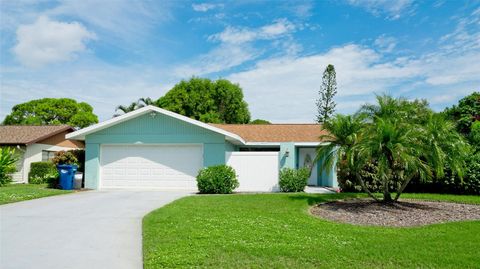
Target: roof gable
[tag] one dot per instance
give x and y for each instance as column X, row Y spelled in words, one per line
column 80, row 134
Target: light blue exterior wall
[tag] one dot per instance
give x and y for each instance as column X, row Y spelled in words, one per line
column 145, row 129
column 289, row 161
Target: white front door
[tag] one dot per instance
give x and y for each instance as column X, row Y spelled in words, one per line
column 150, row 166
column 305, row 159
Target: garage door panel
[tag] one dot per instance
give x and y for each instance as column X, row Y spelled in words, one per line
column 153, row 166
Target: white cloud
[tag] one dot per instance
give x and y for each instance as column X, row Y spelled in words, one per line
column 385, row 43
column 204, row 7
column 276, row 87
column 48, row 41
column 236, row 47
column 394, row 9
column 238, row 35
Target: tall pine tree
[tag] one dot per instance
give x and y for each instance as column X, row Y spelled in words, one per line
column 328, row 89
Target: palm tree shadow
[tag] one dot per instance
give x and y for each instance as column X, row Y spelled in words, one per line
column 313, row 199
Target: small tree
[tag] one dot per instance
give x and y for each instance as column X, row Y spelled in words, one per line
column 328, row 90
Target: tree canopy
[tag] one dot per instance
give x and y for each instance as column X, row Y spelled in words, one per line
column 325, row 103
column 466, row 112
column 210, row 101
column 260, row 121
column 52, row 111
column 404, row 139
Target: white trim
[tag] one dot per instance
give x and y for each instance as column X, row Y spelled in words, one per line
column 311, row 144
column 262, row 144
column 80, row 134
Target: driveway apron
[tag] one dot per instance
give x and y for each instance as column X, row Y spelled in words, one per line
column 88, row 230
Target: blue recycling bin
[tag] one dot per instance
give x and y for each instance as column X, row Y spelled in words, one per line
column 67, row 174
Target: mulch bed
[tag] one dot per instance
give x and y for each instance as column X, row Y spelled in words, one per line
column 401, row 214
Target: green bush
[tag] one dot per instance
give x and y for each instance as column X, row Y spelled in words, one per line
column 217, row 179
column 348, row 182
column 293, row 180
column 65, row 157
column 7, row 165
column 43, row 172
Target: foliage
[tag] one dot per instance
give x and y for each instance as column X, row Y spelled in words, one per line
column 404, row 139
column 276, row 231
column 466, row 112
column 209, row 101
column 142, row 102
column 474, row 136
column 7, row 164
column 217, row 179
column 119, row 110
column 80, row 156
column 293, row 180
column 452, row 183
column 65, row 157
column 52, row 111
column 259, row 121
column 43, row 172
column 328, row 90
column 21, row 192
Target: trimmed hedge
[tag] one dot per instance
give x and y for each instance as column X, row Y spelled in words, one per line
column 293, row 180
column 219, row 179
column 43, row 172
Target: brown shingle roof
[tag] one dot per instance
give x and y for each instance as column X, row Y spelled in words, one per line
column 275, row 132
column 28, row 134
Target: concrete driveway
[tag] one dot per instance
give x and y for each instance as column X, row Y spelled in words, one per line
column 94, row 229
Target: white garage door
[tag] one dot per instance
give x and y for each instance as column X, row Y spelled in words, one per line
column 150, row 166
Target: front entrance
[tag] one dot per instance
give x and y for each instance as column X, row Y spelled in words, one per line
column 306, row 157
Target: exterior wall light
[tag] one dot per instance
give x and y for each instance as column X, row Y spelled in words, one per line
column 153, row 114
column 287, row 153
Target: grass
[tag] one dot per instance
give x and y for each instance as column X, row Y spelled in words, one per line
column 20, row 192
column 276, row 231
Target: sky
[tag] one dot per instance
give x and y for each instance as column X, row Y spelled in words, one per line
column 113, row 52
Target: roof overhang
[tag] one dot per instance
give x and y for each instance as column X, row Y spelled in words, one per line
column 80, row 134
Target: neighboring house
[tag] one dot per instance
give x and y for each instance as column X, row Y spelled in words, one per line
column 35, row 144
column 155, row 148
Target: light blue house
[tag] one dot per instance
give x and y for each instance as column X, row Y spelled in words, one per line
column 155, row 148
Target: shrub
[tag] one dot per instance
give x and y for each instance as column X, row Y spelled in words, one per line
column 347, row 181
column 43, row 172
column 217, row 179
column 7, row 165
column 293, row 180
column 64, row 157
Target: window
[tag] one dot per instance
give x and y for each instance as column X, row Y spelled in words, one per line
column 47, row 155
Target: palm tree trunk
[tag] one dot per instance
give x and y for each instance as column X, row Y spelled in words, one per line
column 364, row 187
column 387, row 197
column 402, row 188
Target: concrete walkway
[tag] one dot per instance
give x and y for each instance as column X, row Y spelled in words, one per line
column 88, row 230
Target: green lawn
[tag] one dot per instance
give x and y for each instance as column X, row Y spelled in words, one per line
column 21, row 192
column 276, row 231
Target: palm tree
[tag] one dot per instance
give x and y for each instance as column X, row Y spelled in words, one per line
column 401, row 148
column 344, row 133
column 125, row 109
column 145, row 102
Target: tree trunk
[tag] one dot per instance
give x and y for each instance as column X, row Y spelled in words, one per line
column 364, row 187
column 387, row 197
column 404, row 185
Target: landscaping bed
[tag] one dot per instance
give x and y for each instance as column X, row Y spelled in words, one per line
column 401, row 214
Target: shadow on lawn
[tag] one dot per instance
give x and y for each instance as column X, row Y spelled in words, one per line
column 313, row 199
